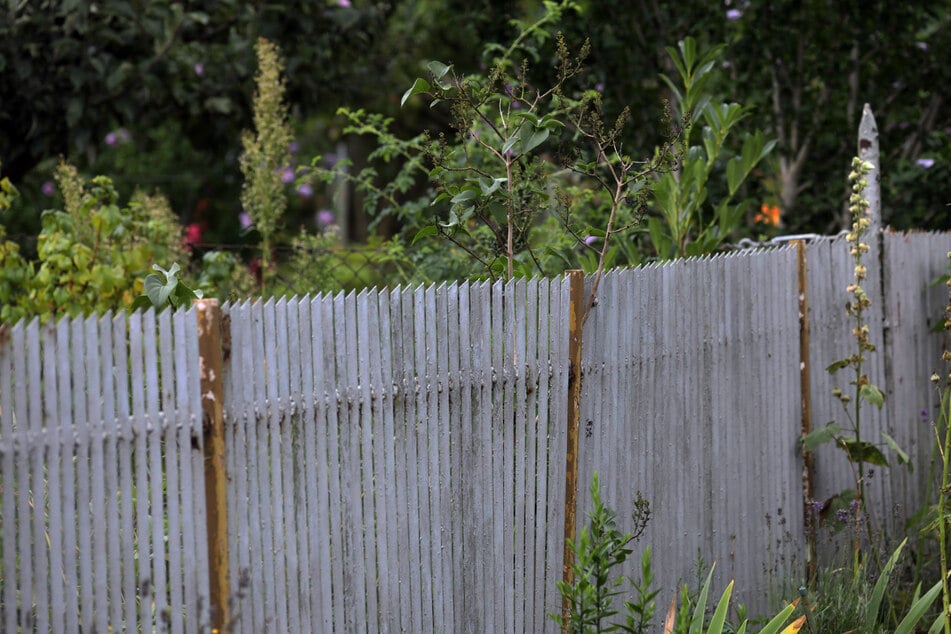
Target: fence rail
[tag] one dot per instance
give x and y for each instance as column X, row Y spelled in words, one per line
column 395, row 459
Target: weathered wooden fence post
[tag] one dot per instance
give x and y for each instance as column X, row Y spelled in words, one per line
column 810, row 517
column 575, row 326
column 209, row 347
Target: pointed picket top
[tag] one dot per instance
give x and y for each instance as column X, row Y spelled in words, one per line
column 868, row 151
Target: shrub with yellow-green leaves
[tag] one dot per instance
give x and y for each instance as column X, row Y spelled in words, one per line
column 91, row 256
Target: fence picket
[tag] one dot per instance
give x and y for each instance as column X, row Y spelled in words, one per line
column 8, row 432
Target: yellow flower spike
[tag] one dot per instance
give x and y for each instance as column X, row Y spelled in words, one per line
column 795, row 626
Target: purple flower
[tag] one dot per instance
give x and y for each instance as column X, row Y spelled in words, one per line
column 112, row 139
column 925, row 417
column 922, row 45
column 325, row 217
column 343, row 3
column 925, row 162
column 733, row 15
column 199, row 69
column 287, row 175
column 48, row 188
column 305, row 190
column 244, row 219
column 516, row 105
column 589, row 240
column 294, row 147
column 599, row 87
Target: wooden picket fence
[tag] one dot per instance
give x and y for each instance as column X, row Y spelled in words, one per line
column 396, row 460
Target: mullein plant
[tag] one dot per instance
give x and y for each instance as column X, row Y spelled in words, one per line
column 859, row 451
column 266, row 152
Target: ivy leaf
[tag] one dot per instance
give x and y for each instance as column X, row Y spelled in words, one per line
column 820, row 436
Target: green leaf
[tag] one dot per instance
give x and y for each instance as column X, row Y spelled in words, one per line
column 438, row 69
column 464, row 196
column 534, row 139
column 863, row 451
column 488, row 189
column 778, row 621
column 220, row 105
column 903, row 457
column 419, row 86
column 509, row 142
column 734, row 174
column 719, row 616
column 872, row 395
column 820, row 436
column 158, row 290
column 835, row 366
column 425, row 232
column 918, row 609
column 527, row 116
column 872, row 614
column 696, row 623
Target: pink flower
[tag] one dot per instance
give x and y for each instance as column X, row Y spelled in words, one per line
column 48, row 189
column 343, row 3
column 199, row 69
column 193, row 234
column 244, row 219
column 325, row 217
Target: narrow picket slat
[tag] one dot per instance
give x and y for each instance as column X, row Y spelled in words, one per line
column 126, row 484
column 455, row 440
column 188, row 442
column 364, row 409
column 385, row 448
column 53, row 435
column 10, row 445
column 445, row 423
column 434, row 429
column 297, row 471
column 407, row 517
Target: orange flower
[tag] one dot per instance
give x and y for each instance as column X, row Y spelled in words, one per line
column 768, row 214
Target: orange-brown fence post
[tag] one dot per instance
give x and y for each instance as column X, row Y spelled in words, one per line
column 575, row 326
column 809, row 515
column 209, row 347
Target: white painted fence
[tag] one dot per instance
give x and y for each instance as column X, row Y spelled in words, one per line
column 396, row 459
